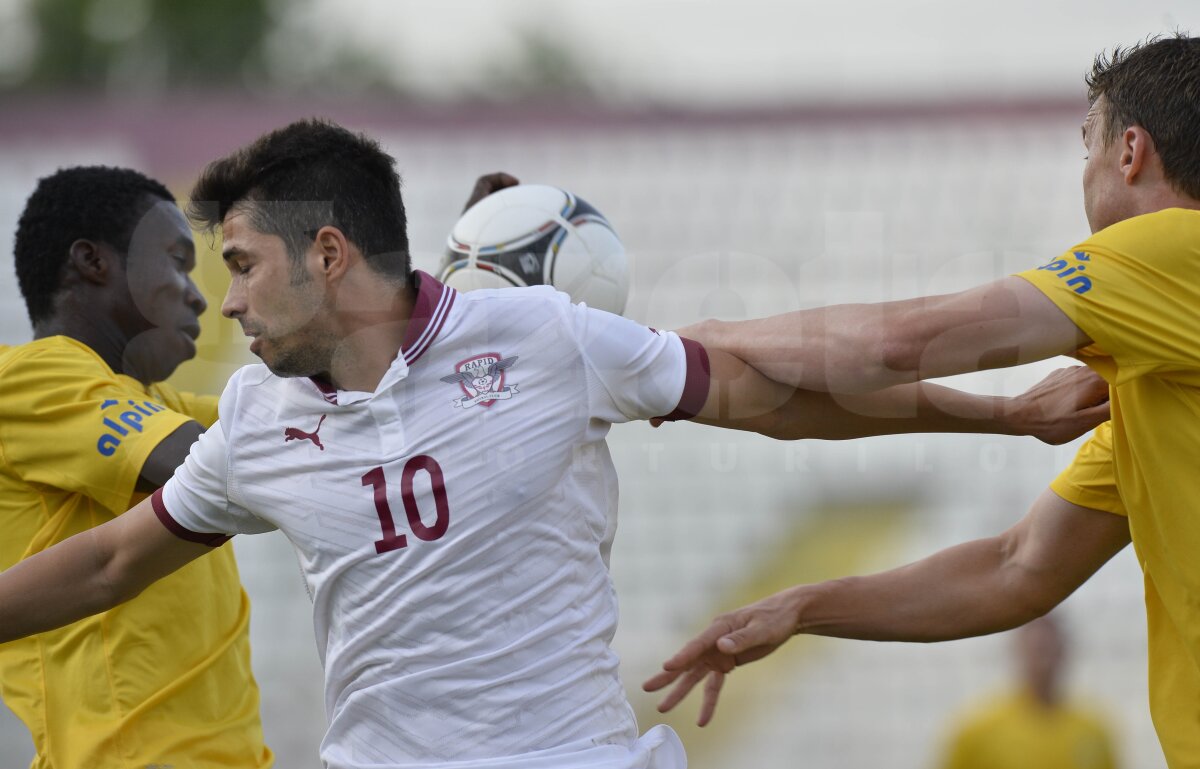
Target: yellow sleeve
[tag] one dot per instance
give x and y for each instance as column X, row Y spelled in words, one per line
column 1089, row 480
column 202, row 408
column 1134, row 288
column 68, row 422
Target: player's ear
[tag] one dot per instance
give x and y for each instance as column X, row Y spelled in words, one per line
column 91, row 261
column 1137, row 148
column 333, row 251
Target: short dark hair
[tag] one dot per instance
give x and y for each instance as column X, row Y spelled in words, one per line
column 1156, row 85
column 95, row 203
column 307, row 175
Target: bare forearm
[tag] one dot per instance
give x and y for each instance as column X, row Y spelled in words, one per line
column 912, row 408
column 828, row 349
column 964, row 591
column 973, row 589
column 57, row 587
column 1059, row 408
column 865, row 347
column 90, row 572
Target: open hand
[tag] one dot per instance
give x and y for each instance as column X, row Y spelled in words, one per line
column 737, row 638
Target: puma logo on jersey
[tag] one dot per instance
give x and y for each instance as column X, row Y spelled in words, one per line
column 481, row 379
column 295, row 433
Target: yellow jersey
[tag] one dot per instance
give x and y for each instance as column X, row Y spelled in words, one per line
column 1134, row 289
column 1018, row 732
column 163, row 680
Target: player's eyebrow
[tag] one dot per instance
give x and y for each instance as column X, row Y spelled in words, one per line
column 231, row 253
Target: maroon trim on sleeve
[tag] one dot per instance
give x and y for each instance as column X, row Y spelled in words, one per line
column 695, row 382
column 160, row 509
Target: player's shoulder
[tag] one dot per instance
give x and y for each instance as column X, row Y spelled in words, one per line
column 1171, row 231
column 534, row 296
column 52, row 351
column 525, row 305
column 255, row 380
column 56, row 361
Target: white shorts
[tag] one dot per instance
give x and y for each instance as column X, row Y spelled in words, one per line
column 659, row 748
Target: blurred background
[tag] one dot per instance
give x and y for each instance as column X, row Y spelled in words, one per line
column 755, row 157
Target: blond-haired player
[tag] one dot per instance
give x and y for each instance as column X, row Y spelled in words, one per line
column 1127, row 302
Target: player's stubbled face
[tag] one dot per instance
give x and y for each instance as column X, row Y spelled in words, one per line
column 277, row 302
column 164, row 304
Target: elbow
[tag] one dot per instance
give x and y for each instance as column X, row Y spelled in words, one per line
column 1029, row 592
column 878, row 354
column 899, row 359
column 115, row 584
column 710, row 333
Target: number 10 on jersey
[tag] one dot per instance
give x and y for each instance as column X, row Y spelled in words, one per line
column 391, row 540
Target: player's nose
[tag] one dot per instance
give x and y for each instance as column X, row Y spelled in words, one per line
column 234, row 303
column 195, row 299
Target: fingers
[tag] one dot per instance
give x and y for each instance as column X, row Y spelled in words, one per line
column 1097, row 414
column 756, row 632
column 660, row 679
column 738, row 638
column 685, row 685
column 712, row 692
column 695, row 649
column 1089, row 386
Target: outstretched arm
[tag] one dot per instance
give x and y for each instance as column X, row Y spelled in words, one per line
column 972, row 589
column 90, row 572
column 865, row 347
column 1060, row 408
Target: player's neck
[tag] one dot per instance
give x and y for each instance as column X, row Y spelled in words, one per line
column 370, row 338
column 101, row 335
column 1045, row 694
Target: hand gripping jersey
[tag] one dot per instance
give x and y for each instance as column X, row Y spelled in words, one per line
column 454, row 527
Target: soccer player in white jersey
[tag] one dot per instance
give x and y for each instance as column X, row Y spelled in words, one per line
column 438, row 462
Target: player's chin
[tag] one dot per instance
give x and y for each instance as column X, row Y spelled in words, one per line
column 282, row 362
column 169, row 353
column 166, row 362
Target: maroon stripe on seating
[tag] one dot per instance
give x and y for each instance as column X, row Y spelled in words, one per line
column 160, row 509
column 695, row 382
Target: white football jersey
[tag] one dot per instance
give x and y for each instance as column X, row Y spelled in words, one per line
column 454, row 527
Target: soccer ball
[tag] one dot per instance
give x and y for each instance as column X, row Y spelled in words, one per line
column 533, row 234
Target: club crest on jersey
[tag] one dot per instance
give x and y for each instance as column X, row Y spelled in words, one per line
column 481, row 378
